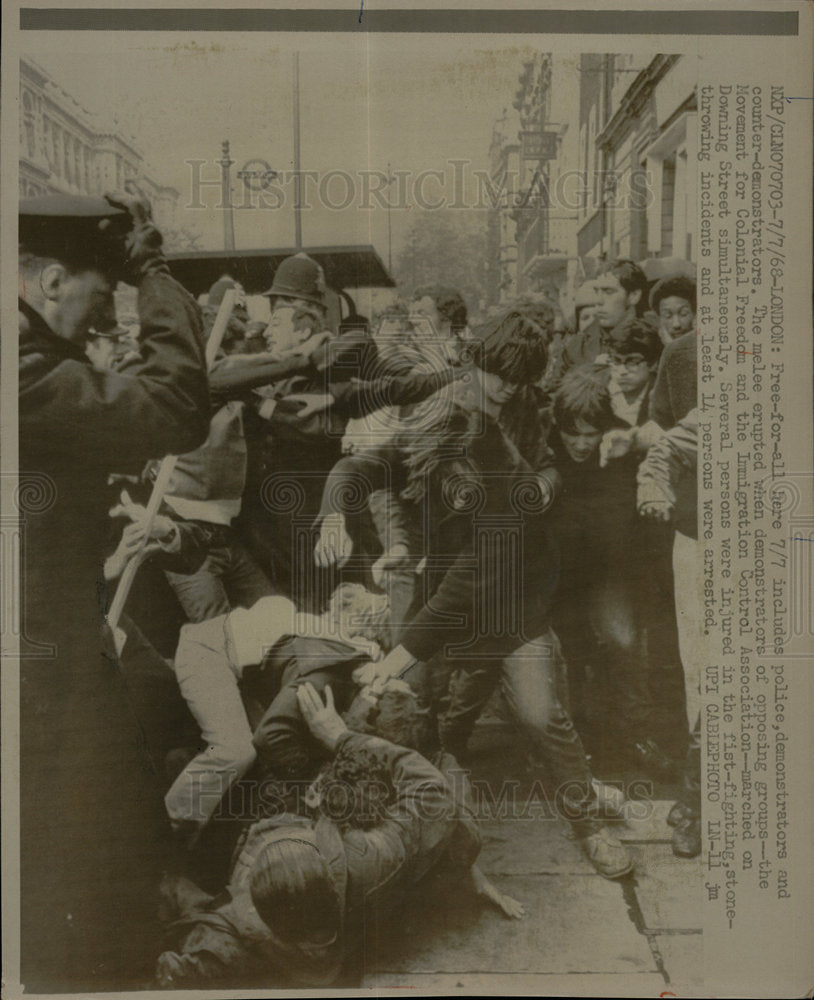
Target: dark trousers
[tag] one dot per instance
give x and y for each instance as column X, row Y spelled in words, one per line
column 533, row 681
column 599, row 625
column 94, row 834
column 615, row 612
column 229, row 578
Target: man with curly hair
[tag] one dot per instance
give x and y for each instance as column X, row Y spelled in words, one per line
column 491, row 571
column 306, row 892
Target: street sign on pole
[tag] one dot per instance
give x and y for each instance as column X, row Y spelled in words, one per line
column 539, row 145
column 257, row 175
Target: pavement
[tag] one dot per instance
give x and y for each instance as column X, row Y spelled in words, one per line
column 582, row 935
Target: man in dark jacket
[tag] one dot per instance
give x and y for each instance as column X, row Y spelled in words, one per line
column 676, row 389
column 621, row 294
column 91, row 816
column 491, row 572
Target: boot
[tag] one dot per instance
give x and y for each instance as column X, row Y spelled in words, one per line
column 607, row 853
column 686, row 841
column 678, row 811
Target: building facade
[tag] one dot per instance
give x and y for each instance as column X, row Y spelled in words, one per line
column 549, row 196
column 604, row 149
column 504, row 175
column 65, row 149
column 637, row 130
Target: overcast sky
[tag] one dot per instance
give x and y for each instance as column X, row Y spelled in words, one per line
column 417, row 102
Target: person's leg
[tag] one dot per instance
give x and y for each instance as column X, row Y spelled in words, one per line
column 94, row 834
column 687, row 820
column 469, row 690
column 401, row 589
column 533, row 679
column 655, row 594
column 209, row 683
column 402, row 583
column 243, row 580
column 430, row 682
column 616, row 619
column 202, row 594
column 581, row 651
column 613, row 614
column 689, row 619
column 582, row 559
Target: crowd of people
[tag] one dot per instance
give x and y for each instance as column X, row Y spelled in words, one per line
column 367, row 538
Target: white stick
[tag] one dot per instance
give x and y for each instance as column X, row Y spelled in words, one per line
column 165, row 471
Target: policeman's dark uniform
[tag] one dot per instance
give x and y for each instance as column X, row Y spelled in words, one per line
column 289, row 457
column 93, row 832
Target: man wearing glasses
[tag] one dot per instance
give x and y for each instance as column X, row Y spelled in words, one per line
column 633, row 354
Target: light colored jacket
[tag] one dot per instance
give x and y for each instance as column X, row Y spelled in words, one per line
column 668, row 473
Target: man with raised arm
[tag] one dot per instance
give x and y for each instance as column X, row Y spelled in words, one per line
column 92, row 826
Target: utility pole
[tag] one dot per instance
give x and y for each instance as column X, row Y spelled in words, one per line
column 297, row 178
column 226, row 197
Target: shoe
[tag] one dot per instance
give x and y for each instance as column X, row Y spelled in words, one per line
column 607, row 853
column 649, row 755
column 687, row 837
column 611, row 801
column 678, row 811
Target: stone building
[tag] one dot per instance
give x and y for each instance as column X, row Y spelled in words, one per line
column 638, row 149
column 603, row 149
column 504, row 174
column 66, row 149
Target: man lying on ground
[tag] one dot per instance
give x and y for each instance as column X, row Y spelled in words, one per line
column 209, row 666
column 304, row 890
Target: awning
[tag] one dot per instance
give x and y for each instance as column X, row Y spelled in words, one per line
column 344, row 267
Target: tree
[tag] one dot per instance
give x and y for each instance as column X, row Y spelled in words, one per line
column 445, row 247
column 180, row 240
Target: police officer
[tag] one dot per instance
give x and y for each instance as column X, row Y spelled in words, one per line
column 92, row 824
column 290, row 449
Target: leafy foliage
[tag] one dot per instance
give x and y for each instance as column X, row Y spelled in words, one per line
column 445, row 247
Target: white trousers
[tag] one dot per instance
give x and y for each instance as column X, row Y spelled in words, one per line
column 208, row 677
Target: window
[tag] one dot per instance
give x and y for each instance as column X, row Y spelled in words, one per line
column 28, row 125
column 66, row 155
column 56, row 146
column 593, row 171
column 46, row 140
column 671, row 207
